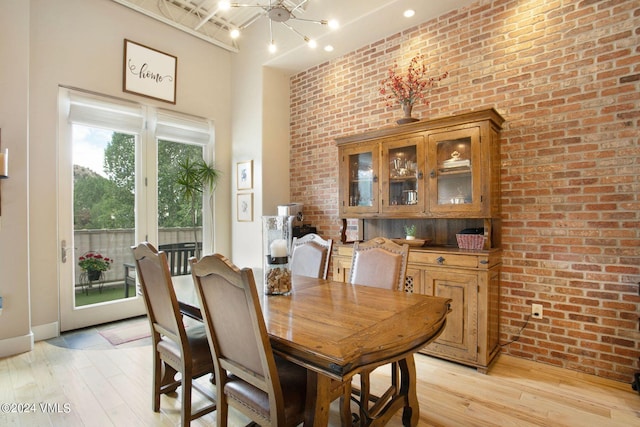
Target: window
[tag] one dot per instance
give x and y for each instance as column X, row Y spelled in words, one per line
column 125, row 159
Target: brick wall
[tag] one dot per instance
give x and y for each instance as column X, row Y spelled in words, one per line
column 566, row 77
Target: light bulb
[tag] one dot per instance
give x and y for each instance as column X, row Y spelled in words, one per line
column 272, row 47
column 234, row 33
column 409, row 13
column 333, row 24
column 224, row 5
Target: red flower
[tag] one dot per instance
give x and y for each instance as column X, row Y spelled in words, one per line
column 94, row 261
column 409, row 88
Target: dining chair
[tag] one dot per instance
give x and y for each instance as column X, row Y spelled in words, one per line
column 176, row 349
column 310, row 256
column 249, row 377
column 381, row 263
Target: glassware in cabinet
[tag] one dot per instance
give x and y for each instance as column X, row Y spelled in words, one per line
column 402, row 175
column 455, row 173
column 360, row 179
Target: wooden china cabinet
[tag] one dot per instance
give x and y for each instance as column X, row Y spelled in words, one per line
column 443, row 176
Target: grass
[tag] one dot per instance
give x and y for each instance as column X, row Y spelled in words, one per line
column 109, row 293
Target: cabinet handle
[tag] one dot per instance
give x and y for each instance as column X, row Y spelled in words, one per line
column 440, row 260
column 419, row 175
column 484, row 261
column 433, row 173
column 375, row 178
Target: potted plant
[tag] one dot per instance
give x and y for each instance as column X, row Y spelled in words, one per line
column 193, row 178
column 410, row 232
column 94, row 263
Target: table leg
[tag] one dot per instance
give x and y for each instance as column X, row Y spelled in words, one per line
column 411, row 412
column 318, row 400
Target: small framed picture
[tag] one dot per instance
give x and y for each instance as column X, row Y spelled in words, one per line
column 245, row 175
column 149, row 72
column 245, row 207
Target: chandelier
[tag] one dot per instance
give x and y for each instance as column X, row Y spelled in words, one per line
column 278, row 13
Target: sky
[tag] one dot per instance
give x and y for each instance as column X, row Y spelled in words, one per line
column 88, row 147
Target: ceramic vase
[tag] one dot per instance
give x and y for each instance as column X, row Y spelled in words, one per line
column 406, row 108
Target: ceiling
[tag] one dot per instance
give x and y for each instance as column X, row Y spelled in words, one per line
column 360, row 23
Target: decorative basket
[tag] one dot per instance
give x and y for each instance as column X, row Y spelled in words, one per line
column 470, row 241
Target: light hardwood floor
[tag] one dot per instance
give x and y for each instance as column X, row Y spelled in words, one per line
column 96, row 384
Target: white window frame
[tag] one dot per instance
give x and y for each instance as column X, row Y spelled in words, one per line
column 151, row 124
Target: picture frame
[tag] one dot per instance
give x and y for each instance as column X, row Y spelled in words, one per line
column 149, row 72
column 245, row 207
column 245, row 175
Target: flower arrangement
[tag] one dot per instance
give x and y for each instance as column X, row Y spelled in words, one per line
column 414, row 85
column 94, row 261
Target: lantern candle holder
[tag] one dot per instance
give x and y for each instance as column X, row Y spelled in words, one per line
column 276, row 238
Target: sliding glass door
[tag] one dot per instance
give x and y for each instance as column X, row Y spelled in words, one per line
column 118, row 163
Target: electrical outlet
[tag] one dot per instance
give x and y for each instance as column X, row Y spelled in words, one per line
column 536, row 311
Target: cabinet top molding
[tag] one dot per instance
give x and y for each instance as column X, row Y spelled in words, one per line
column 423, row 125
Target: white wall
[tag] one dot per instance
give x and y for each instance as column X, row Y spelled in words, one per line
column 275, row 139
column 15, row 331
column 79, row 43
column 246, row 113
column 260, row 133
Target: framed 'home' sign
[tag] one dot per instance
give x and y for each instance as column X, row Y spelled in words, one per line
column 149, row 72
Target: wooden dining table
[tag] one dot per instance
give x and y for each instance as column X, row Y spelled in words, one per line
column 336, row 330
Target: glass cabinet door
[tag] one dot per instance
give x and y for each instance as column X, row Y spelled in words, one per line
column 402, row 173
column 454, row 171
column 360, row 171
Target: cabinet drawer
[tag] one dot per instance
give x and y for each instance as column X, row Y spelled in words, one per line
column 445, row 259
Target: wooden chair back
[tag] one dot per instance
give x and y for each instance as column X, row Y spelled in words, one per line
column 382, row 263
column 379, row 262
column 175, row 349
column 158, row 293
column 310, row 256
column 246, row 374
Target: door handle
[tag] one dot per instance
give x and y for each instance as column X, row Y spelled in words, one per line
column 63, row 251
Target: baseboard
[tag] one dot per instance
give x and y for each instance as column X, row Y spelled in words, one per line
column 46, row 331
column 16, row 345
